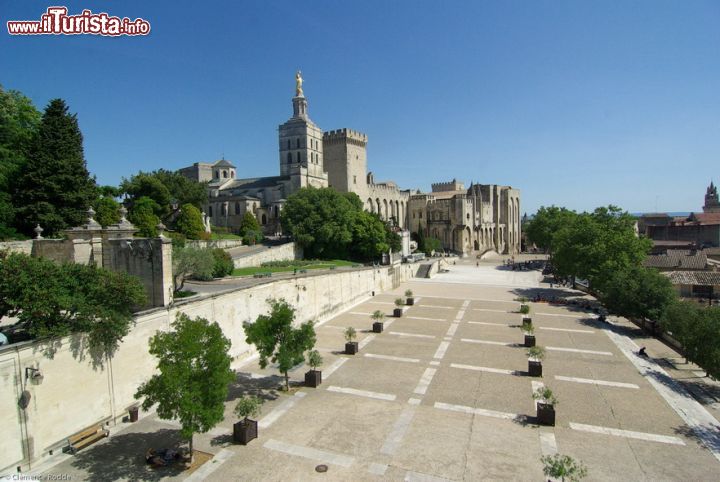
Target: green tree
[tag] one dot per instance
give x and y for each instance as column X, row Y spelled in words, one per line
column 277, row 340
column 146, row 185
column 53, row 300
column 595, row 245
column 563, row 467
column 182, row 189
column 194, row 374
column 223, row 265
column 142, row 215
column 55, row 189
column 638, row 292
column 369, row 237
column 164, row 187
column 249, row 223
column 548, row 221
column 107, row 210
column 320, row 220
column 191, row 262
column 679, row 320
column 19, row 121
column 190, row 222
column 431, row 244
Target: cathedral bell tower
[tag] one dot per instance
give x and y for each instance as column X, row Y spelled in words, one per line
column 300, row 144
column 712, row 203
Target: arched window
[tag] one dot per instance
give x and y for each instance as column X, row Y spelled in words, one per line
column 217, row 175
column 210, row 211
column 225, row 174
column 232, row 173
column 263, row 219
column 297, row 143
column 237, row 207
column 289, row 156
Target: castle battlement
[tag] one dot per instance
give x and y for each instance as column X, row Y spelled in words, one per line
column 345, row 135
column 453, row 185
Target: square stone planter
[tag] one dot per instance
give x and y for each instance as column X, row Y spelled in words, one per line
column 351, row 347
column 397, row 312
column 545, row 414
column 378, row 327
column 410, row 301
column 529, row 340
column 535, row 368
column 313, row 378
column 526, row 320
column 244, row 432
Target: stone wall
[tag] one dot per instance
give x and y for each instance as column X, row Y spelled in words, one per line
column 75, row 395
column 215, row 243
column 24, row 247
column 283, row 252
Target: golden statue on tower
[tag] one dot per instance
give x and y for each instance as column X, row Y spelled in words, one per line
column 298, row 84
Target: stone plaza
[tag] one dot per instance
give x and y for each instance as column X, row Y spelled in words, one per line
column 443, row 394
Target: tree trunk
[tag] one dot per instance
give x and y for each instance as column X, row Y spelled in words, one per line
column 191, row 449
column 287, row 382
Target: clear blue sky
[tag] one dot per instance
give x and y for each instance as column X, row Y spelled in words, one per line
column 576, row 103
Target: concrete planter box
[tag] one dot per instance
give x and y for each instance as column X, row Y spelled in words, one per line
column 351, row 347
column 535, row 368
column 244, row 432
column 529, row 340
column 378, row 327
column 133, row 414
column 527, row 320
column 410, row 301
column 545, row 414
column 313, row 378
column 397, row 312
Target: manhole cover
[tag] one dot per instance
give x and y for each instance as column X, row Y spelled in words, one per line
column 321, row 468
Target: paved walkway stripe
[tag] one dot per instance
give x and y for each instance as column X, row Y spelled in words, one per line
column 280, row 410
column 397, row 433
column 548, row 444
column 437, row 306
column 705, row 426
column 486, row 342
column 393, row 358
column 208, row 468
column 365, row 341
column 331, row 369
column 487, row 323
column 476, row 411
column 414, row 401
column 411, row 476
column 413, row 335
column 440, row 352
column 323, row 456
column 361, row 393
column 596, row 382
column 423, row 318
column 650, row 437
column 381, row 302
column 579, row 315
column 425, row 380
column 470, row 299
column 590, row 332
column 359, row 313
column 483, row 369
column 488, row 309
column 575, row 350
column 453, row 328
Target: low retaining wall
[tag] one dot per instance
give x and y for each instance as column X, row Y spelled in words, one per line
column 284, row 252
column 24, row 247
column 215, row 243
column 75, row 395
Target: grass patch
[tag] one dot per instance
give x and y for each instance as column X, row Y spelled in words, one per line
column 292, row 266
column 184, row 294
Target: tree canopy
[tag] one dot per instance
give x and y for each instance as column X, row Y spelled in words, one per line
column 546, row 223
column 277, row 340
column 190, row 223
column 638, row 292
column 192, row 262
column 54, row 188
column 53, row 300
column 333, row 225
column 164, row 187
column 193, row 375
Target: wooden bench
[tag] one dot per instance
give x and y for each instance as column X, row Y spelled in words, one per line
column 86, row 437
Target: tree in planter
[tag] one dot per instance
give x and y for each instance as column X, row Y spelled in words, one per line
column 245, row 430
column 313, row 378
column 351, row 346
column 277, row 340
column 398, row 307
column 535, row 355
column 409, row 297
column 529, row 333
column 524, row 309
column 546, row 402
column 194, row 374
column 378, row 317
column 563, row 467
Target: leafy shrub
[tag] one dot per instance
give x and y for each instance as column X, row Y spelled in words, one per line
column 224, row 265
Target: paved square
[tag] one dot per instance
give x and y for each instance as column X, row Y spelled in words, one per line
column 443, row 394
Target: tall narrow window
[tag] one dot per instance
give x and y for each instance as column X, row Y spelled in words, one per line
column 289, row 146
column 297, row 142
column 289, row 156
